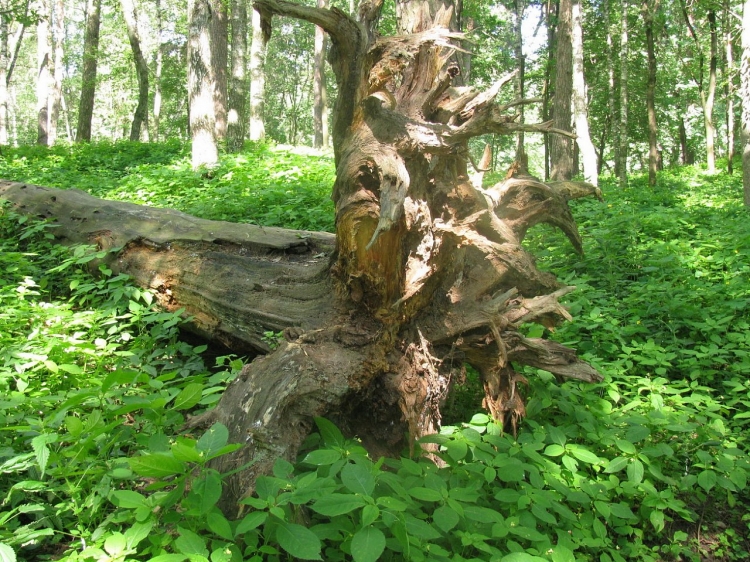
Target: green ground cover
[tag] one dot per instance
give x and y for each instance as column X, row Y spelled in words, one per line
column 650, row 464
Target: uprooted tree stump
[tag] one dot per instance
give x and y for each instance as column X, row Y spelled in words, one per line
column 426, row 272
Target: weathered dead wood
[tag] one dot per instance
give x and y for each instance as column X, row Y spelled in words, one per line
column 234, row 281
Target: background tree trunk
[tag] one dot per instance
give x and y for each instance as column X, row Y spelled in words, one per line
column 729, row 88
column 201, row 85
column 238, row 91
column 623, row 139
column 158, row 70
column 648, row 10
column 219, row 33
column 55, row 103
column 518, row 10
column 88, row 76
column 580, row 102
column 140, row 117
column 745, row 97
column 257, row 80
column 320, row 104
column 43, row 79
column 562, row 147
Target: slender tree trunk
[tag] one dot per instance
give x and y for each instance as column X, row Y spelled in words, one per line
column 729, row 88
column 4, row 61
column 588, row 153
column 745, row 97
column 219, row 32
column 57, row 73
column 684, row 154
column 648, row 10
column 320, row 105
column 562, row 147
column 547, row 98
column 257, row 80
column 88, row 74
column 43, row 80
column 519, row 7
column 158, row 70
column 612, row 120
column 238, row 91
column 622, row 152
column 140, row 117
column 201, row 85
column 708, row 110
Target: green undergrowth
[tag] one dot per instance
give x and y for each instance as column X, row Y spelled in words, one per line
column 650, row 464
column 264, row 184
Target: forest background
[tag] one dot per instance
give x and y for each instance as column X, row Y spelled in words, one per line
column 650, row 464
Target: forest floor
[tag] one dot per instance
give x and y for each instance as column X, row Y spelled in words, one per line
column 650, row 464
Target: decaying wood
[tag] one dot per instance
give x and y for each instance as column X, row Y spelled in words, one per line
column 428, row 273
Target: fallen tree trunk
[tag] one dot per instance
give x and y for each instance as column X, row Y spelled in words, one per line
column 428, row 272
column 234, row 281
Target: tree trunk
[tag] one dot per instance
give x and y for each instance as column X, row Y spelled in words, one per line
column 708, row 105
column 140, row 117
column 612, row 119
column 428, row 272
column 745, row 97
column 561, row 146
column 43, row 79
column 88, row 74
column 201, row 85
column 729, row 87
column 237, row 118
column 219, row 33
column 580, row 105
column 622, row 152
column 57, row 74
column 257, row 80
column 320, row 104
column 158, row 70
column 518, row 10
column 648, row 11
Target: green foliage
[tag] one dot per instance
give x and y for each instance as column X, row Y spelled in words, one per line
column 94, row 385
column 261, row 185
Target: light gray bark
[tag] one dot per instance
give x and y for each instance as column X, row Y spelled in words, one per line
column 580, row 105
column 622, row 152
column 238, row 91
column 257, row 80
column 201, row 85
column 562, row 147
column 745, row 97
column 88, row 73
column 320, row 103
column 55, row 103
column 44, row 79
column 139, row 126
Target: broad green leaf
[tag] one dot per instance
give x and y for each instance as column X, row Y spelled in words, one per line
column 420, row 529
column 214, row 439
column 554, row 450
column 392, row 503
column 603, row 508
column 520, row 557
column 219, row 525
column 331, row 435
column 188, row 396
column 209, row 490
column 251, row 521
column 635, row 472
column 337, row 504
column 138, row 532
column 322, row 457
column 358, row 479
column 616, row 465
column 156, row 465
column 637, row 433
column 7, row 554
column 657, row 519
column 186, row 451
column 625, row 446
column 445, row 518
column 368, row 544
column 707, row 480
column 370, row 514
column 70, row 368
column 426, row 494
column 456, row 449
column 115, row 544
column 41, row 451
column 298, row 541
column 127, row 499
column 622, row 511
column 583, row 454
column 190, row 543
column 560, row 553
